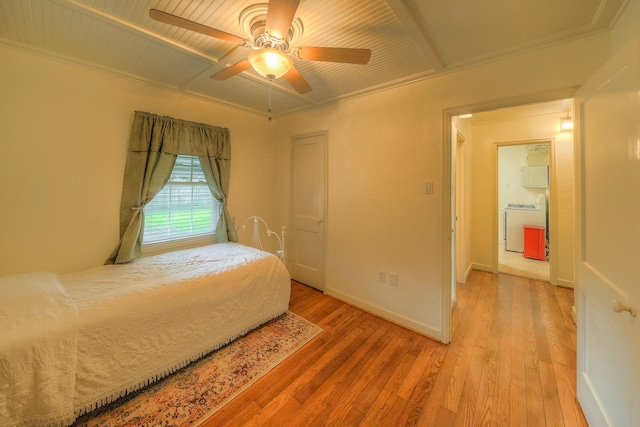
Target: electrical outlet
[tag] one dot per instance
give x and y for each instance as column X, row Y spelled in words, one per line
column 428, row 187
column 382, row 276
column 393, row 279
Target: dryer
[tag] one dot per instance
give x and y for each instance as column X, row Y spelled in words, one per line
column 516, row 216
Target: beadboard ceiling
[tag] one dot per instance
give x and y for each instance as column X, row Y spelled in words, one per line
column 410, row 40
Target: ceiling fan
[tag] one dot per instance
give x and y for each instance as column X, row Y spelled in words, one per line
column 271, row 56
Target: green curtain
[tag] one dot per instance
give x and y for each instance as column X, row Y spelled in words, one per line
column 215, row 170
column 154, row 143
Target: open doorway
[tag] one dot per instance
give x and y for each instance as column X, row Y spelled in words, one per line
column 523, row 208
column 536, row 128
column 478, row 220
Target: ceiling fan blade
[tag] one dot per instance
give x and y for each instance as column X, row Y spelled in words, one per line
column 298, row 82
column 280, row 14
column 334, row 54
column 170, row 19
column 231, row 71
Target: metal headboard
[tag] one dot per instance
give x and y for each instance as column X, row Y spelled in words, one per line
column 255, row 238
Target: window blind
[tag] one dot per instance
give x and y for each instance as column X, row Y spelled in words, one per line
column 184, row 207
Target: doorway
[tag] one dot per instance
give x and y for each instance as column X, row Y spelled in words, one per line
column 536, row 127
column 523, row 208
column 482, row 130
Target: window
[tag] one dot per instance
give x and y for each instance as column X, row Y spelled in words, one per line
column 184, row 209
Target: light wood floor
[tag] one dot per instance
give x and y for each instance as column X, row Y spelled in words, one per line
column 511, row 363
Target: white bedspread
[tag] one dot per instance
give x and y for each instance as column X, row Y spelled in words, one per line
column 73, row 342
column 142, row 321
column 38, row 331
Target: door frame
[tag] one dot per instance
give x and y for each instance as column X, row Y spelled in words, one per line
column 325, row 134
column 448, row 198
column 460, row 243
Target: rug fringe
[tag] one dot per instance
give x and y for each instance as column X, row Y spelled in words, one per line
column 114, row 395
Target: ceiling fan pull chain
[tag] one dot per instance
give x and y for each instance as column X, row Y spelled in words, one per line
column 269, row 109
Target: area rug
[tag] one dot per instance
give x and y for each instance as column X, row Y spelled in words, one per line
column 191, row 395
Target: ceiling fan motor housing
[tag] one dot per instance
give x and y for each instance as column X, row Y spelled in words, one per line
column 253, row 21
column 266, row 40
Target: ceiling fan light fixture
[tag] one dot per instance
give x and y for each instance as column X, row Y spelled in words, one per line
column 270, row 63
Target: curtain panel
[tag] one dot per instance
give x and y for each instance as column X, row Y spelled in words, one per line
column 154, row 143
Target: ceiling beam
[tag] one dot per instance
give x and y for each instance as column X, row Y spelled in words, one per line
column 136, row 29
column 419, row 37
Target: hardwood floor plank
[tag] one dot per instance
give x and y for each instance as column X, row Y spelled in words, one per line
column 282, row 376
column 353, row 390
column 302, row 380
column 528, row 328
column 486, row 408
column 405, row 390
column 388, row 406
column 571, row 413
column 445, row 417
column 465, row 413
column 337, row 367
column 550, row 399
column 458, row 378
column 503, row 316
column 553, row 324
column 533, row 392
column 502, row 414
column 468, row 295
column 280, row 418
column 329, row 392
column 517, row 392
column 474, row 335
column 380, row 376
column 426, row 399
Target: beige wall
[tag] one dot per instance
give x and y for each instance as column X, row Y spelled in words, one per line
column 63, row 146
column 383, row 147
column 65, row 131
column 485, row 205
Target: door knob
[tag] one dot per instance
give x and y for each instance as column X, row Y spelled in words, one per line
column 619, row 307
column 320, row 220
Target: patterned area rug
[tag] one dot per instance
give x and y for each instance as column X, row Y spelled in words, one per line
column 191, row 395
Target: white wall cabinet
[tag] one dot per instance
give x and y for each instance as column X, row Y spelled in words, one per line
column 534, row 176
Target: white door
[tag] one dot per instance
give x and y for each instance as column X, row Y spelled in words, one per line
column 608, row 241
column 308, row 209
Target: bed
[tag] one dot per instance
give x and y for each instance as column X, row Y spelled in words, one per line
column 78, row 341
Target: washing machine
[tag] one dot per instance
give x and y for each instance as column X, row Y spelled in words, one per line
column 516, row 216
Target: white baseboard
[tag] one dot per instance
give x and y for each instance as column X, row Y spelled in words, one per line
column 565, row 283
column 482, row 267
column 468, row 272
column 422, row 328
